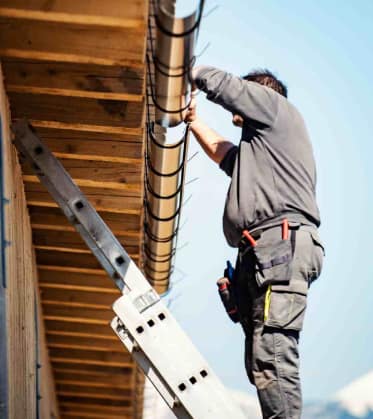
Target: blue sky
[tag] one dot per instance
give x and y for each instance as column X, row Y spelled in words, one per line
column 323, row 51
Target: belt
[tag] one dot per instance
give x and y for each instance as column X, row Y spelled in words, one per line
column 250, row 239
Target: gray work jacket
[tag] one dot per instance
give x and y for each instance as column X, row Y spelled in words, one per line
column 273, row 169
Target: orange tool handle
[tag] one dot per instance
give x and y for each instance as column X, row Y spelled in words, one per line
column 285, row 229
column 249, row 237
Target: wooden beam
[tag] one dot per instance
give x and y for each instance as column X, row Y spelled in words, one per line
column 122, row 173
column 72, row 269
column 78, row 320
column 80, row 133
column 68, row 409
column 117, row 222
column 110, row 345
column 96, row 407
column 125, row 9
column 83, row 361
column 108, row 172
column 96, row 315
column 76, row 305
column 76, row 109
column 71, row 38
column 125, row 97
column 59, row 17
column 76, row 288
column 88, row 128
column 99, row 393
column 118, row 374
column 62, row 249
column 88, row 401
column 40, row 55
column 72, row 240
column 62, row 277
column 127, row 206
column 104, row 287
column 85, row 415
column 58, row 334
column 101, row 379
column 81, row 168
column 81, row 347
column 95, row 157
column 57, row 270
column 130, row 192
column 53, row 204
column 71, row 250
column 115, row 359
column 101, row 331
column 75, row 279
column 131, row 235
column 73, row 76
column 98, row 310
column 61, row 258
column 132, row 189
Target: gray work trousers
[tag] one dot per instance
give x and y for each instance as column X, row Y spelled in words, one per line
column 272, row 320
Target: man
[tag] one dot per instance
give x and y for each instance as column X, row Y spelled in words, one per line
column 271, row 197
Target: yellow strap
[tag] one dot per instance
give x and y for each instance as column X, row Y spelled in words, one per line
column 267, row 302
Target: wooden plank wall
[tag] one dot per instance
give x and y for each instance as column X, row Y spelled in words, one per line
column 21, row 291
column 48, row 407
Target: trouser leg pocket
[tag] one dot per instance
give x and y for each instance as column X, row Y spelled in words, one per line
column 284, row 310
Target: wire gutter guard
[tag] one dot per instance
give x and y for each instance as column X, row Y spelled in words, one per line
column 169, row 60
column 172, row 60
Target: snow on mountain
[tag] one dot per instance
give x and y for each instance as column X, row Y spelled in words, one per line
column 357, row 397
column 355, row 401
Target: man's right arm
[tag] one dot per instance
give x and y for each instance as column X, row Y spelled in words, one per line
column 215, row 146
column 250, row 100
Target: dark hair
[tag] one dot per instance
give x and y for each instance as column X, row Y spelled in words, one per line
column 267, row 78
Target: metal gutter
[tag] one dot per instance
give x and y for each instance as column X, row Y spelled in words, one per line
column 170, row 58
column 174, row 56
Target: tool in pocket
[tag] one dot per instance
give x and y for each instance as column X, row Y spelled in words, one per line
column 273, row 260
column 226, row 292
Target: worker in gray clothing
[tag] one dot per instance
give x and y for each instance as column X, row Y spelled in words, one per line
column 271, row 216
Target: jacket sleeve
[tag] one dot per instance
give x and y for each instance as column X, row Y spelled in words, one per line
column 250, row 100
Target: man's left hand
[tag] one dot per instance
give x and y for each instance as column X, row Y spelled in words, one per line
column 191, row 114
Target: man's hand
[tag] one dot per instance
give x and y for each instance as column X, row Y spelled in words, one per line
column 191, row 114
column 212, row 143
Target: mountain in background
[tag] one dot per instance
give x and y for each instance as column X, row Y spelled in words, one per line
column 331, row 410
column 355, row 401
column 357, row 397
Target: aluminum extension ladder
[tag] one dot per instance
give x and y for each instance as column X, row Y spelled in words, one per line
column 143, row 323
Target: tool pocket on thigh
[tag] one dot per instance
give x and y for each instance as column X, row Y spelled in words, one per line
column 273, row 263
column 284, row 310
